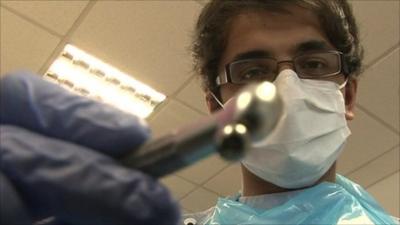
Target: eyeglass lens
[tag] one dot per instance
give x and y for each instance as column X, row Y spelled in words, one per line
column 308, row 66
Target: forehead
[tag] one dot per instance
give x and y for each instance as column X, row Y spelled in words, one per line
column 279, row 33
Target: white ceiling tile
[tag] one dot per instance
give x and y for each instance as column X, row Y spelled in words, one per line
column 379, row 25
column 202, row 2
column 193, row 95
column 148, row 39
column 377, row 169
column 171, row 117
column 23, row 45
column 228, row 182
column 369, row 139
column 386, row 193
column 185, row 211
column 199, row 200
column 379, row 89
column 55, row 15
column 177, row 186
column 203, row 170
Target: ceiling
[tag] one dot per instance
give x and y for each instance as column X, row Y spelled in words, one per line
column 150, row 40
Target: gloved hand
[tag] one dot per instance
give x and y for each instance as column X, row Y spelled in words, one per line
column 57, row 160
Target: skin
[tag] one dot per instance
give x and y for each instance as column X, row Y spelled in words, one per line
column 279, row 34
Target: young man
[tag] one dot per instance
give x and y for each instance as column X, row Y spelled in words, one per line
column 310, row 50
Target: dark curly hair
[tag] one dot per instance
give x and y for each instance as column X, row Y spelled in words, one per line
column 213, row 25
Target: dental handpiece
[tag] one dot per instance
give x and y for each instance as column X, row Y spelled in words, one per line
column 250, row 116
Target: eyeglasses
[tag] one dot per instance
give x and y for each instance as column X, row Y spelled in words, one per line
column 312, row 65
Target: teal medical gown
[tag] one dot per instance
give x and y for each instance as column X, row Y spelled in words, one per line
column 343, row 202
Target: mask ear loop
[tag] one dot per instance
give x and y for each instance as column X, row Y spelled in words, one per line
column 217, row 100
column 344, row 84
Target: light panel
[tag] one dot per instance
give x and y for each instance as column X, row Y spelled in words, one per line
column 88, row 76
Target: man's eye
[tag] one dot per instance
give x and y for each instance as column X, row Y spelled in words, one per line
column 254, row 73
column 313, row 64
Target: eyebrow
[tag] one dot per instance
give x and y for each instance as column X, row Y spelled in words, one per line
column 312, row 45
column 252, row 55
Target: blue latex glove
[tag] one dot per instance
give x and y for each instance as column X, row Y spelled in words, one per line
column 57, row 160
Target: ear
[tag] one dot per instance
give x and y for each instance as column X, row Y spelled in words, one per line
column 212, row 104
column 350, row 98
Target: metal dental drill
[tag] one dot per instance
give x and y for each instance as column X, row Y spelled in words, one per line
column 251, row 115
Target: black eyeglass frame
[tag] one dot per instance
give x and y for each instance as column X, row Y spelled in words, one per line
column 225, row 77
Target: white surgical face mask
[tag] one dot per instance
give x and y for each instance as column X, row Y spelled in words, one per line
column 307, row 139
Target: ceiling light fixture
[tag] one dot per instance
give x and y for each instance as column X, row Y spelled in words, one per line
column 86, row 75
